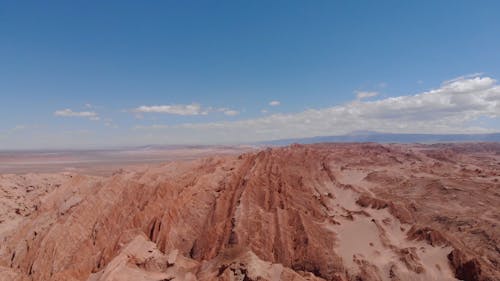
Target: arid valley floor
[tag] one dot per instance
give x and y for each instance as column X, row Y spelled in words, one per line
column 301, row 212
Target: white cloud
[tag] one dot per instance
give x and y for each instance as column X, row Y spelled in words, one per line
column 274, row 103
column 463, row 77
column 225, row 110
column 183, row 109
column 19, row 127
column 108, row 122
column 154, row 127
column 450, row 108
column 363, row 95
column 176, row 109
column 231, row 112
column 70, row 113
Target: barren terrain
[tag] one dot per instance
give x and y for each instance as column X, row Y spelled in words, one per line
column 302, row 212
column 104, row 161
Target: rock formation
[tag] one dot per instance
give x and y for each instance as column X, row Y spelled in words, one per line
column 302, row 212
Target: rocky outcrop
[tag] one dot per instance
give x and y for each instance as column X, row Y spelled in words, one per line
column 466, row 269
column 431, row 236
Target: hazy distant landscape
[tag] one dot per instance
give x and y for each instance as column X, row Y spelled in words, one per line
column 392, row 138
column 104, row 161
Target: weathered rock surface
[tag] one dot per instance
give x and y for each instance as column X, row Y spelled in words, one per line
column 315, row 212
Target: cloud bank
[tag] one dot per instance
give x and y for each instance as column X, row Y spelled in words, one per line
column 450, row 108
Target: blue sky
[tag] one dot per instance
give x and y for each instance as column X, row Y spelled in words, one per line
column 90, row 74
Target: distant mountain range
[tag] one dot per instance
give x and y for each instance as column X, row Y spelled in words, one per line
column 368, row 136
